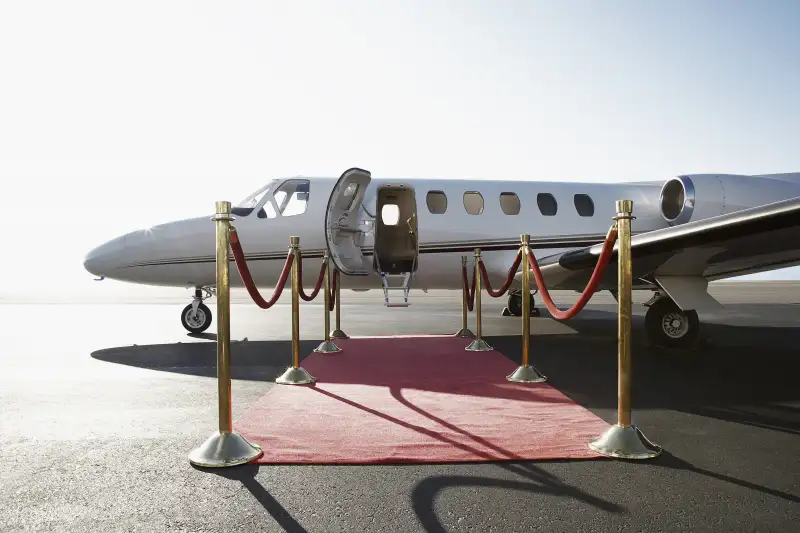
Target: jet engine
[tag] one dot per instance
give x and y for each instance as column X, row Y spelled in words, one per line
column 698, row 196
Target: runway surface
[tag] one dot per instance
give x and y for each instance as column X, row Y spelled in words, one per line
column 101, row 402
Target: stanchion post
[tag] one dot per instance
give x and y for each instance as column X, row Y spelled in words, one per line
column 224, row 447
column 478, row 345
column 327, row 346
column 337, row 333
column 295, row 375
column 464, row 331
column 623, row 439
column 526, row 373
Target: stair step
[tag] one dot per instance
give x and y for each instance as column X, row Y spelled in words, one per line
column 405, row 287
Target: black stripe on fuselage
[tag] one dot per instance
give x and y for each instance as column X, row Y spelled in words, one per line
column 438, row 248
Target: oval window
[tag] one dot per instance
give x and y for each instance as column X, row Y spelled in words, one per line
column 547, row 204
column 473, row 202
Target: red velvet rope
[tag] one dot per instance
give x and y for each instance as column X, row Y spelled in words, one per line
column 244, row 272
column 509, row 279
column 591, row 287
column 317, row 287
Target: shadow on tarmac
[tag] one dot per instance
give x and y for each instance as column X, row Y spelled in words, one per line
column 246, row 475
column 743, row 375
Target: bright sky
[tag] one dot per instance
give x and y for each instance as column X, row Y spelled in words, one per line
column 118, row 115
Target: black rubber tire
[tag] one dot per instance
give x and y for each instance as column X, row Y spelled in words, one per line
column 202, row 311
column 515, row 304
column 655, row 326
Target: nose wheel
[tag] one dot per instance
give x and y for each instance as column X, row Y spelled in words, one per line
column 196, row 321
column 196, row 317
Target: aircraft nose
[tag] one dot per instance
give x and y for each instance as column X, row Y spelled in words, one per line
column 102, row 260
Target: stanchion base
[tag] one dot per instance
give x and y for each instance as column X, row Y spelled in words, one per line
column 295, row 376
column 526, row 374
column 625, row 443
column 339, row 334
column 327, row 347
column 464, row 332
column 224, row 449
column 479, row 345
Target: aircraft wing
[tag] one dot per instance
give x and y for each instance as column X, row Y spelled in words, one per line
column 747, row 241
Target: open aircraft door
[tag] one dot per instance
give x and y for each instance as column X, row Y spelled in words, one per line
column 341, row 222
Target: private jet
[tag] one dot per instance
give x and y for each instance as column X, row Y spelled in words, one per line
column 395, row 234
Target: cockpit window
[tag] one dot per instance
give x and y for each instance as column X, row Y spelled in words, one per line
column 253, row 199
column 292, row 197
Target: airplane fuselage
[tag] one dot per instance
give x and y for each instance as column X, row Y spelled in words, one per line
column 182, row 253
column 453, row 218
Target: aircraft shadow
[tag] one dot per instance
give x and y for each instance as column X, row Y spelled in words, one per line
column 742, row 375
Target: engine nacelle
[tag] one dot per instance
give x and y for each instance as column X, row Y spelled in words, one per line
column 698, row 196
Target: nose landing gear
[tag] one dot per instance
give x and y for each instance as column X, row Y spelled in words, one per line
column 196, row 317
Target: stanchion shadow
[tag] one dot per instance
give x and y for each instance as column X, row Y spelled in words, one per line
column 535, row 480
column 667, row 460
column 246, row 475
column 414, row 427
column 744, row 379
column 397, row 394
column 423, row 495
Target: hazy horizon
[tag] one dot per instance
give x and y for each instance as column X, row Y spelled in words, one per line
column 115, row 117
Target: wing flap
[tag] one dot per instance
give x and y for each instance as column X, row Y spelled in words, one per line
column 748, row 241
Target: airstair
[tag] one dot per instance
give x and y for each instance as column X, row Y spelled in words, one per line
column 390, row 283
column 397, row 273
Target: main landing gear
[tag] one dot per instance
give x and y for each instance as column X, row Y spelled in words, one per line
column 515, row 303
column 668, row 325
column 196, row 317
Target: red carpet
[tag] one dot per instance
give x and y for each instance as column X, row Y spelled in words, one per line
column 416, row 400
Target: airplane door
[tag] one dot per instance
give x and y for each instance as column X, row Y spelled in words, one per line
column 341, row 222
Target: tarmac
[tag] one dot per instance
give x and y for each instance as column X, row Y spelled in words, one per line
column 101, row 402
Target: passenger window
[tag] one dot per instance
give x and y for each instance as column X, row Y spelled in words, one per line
column 547, row 204
column 509, row 203
column 473, row 202
column 292, row 197
column 390, row 214
column 437, row 202
column 584, row 205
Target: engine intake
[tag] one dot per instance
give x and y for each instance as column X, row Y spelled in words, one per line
column 701, row 196
column 677, row 200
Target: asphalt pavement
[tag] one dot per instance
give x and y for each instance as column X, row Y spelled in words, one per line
column 101, row 402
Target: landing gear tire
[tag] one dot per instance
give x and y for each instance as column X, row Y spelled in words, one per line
column 197, row 323
column 669, row 326
column 515, row 304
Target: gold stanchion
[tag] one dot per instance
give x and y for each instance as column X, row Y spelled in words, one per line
column 295, row 375
column 327, row 346
column 478, row 345
column 337, row 333
column 464, row 331
column 224, row 447
column 526, row 373
column 623, row 439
